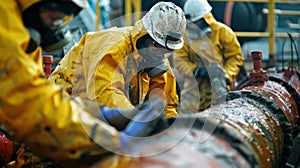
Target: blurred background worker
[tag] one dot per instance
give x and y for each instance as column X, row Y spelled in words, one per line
column 105, row 10
column 123, row 67
column 39, row 113
column 211, row 52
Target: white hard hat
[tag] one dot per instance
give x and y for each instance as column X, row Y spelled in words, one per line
column 81, row 3
column 165, row 22
column 196, row 9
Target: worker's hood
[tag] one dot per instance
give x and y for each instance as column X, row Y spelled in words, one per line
column 137, row 32
column 24, row 4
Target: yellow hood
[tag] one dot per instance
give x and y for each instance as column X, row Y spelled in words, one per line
column 137, row 32
column 24, row 4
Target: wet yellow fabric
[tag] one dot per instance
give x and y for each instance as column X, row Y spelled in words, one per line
column 222, row 47
column 37, row 112
column 24, row 4
column 104, row 66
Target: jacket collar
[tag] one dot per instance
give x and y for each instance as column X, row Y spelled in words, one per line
column 24, row 4
column 209, row 18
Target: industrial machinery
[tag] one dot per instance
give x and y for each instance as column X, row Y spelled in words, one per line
column 255, row 126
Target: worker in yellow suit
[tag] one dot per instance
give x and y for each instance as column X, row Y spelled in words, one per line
column 211, row 55
column 39, row 113
column 123, row 67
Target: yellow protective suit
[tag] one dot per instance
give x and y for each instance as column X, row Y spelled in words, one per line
column 222, row 47
column 37, row 112
column 103, row 66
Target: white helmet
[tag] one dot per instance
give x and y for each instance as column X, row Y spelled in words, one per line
column 81, row 3
column 196, row 9
column 165, row 22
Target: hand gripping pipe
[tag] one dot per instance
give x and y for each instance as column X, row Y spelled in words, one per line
column 254, row 126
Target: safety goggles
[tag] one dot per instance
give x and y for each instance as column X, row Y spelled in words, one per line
column 66, row 10
column 63, row 21
column 172, row 37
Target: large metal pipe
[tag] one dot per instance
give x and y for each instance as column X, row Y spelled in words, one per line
column 254, row 126
column 250, row 127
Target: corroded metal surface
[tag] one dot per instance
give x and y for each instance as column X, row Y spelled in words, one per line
column 192, row 151
column 253, row 126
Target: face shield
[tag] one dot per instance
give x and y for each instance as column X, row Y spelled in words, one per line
column 165, row 24
column 46, row 23
column 172, row 39
column 154, row 55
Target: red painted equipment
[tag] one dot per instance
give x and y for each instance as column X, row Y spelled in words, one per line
column 6, row 149
column 47, row 63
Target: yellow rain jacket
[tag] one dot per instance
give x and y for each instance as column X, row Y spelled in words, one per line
column 37, row 112
column 222, row 47
column 227, row 50
column 103, row 66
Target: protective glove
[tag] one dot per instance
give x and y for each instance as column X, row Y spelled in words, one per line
column 218, row 79
column 118, row 118
column 143, row 123
column 219, row 86
column 201, row 72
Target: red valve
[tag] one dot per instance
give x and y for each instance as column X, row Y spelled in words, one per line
column 47, row 62
column 6, row 149
column 258, row 76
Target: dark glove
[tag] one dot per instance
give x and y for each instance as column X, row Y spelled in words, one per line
column 219, row 86
column 143, row 123
column 201, row 72
column 218, row 79
column 118, row 118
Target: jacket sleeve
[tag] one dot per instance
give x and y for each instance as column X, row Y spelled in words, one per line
column 39, row 113
column 92, row 69
column 109, row 82
column 69, row 72
column 167, row 83
column 232, row 52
